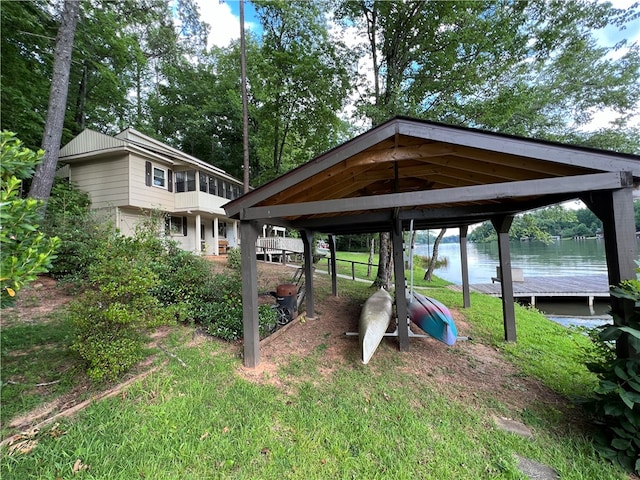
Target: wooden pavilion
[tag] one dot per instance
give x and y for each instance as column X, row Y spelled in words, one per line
column 437, row 176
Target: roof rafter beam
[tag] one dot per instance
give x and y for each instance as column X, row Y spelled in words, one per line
column 397, row 154
column 475, row 193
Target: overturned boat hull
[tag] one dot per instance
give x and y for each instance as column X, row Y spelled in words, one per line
column 374, row 321
column 432, row 317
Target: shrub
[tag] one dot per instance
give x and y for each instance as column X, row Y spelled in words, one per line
column 617, row 398
column 25, row 252
column 112, row 316
column 234, row 259
column 225, row 314
column 69, row 217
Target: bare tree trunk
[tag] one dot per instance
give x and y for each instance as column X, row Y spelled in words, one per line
column 385, row 265
column 434, row 256
column 372, row 251
column 45, row 172
column 81, row 101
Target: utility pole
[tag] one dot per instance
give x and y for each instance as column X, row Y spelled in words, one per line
column 245, row 108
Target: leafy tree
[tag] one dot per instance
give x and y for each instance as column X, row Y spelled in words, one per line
column 25, row 252
column 590, row 222
column 543, row 223
column 198, row 109
column 298, row 82
column 28, row 31
column 501, row 65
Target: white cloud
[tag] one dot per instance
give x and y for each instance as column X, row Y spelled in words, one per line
column 225, row 25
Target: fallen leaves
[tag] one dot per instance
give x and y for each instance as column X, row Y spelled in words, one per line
column 23, row 447
column 78, row 466
column 25, row 442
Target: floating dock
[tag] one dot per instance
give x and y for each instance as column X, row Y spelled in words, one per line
column 588, row 286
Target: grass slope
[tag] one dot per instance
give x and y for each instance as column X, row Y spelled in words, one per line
column 205, row 420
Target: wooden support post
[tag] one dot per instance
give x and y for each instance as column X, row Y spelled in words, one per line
column 464, row 263
column 502, row 225
column 332, row 269
column 400, row 292
column 248, row 236
column 307, row 242
column 615, row 209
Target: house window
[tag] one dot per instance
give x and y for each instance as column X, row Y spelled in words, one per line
column 159, row 177
column 176, row 226
column 226, row 187
column 213, row 185
column 186, row 181
column 202, row 177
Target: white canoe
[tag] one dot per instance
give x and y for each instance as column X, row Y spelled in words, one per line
column 374, row 321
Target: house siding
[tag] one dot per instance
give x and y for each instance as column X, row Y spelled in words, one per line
column 106, row 182
column 200, row 201
column 144, row 196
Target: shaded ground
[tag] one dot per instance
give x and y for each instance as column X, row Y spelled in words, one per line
column 468, row 371
column 36, row 300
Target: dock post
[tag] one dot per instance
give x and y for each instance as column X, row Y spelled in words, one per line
column 502, row 224
column 466, row 297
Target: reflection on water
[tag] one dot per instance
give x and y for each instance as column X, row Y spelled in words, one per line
column 565, row 257
column 561, row 258
column 580, row 322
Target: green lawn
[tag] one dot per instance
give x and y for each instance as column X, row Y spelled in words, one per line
column 348, row 263
column 198, row 417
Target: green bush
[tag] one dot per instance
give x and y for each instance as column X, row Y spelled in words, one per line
column 113, row 314
column 234, row 259
column 617, row 398
column 69, row 216
column 24, row 250
column 225, row 319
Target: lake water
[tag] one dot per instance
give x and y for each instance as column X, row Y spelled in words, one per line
column 561, row 258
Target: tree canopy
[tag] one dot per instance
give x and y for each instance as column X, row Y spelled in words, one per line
column 319, row 71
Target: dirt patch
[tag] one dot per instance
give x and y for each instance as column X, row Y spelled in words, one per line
column 468, row 371
column 34, row 301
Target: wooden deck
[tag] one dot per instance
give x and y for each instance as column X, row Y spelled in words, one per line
column 589, row 286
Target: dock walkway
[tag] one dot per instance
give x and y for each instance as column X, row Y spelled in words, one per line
column 589, row 286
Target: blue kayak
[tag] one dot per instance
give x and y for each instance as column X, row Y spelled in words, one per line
column 432, row 317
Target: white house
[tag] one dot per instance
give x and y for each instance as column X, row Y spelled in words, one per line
column 131, row 174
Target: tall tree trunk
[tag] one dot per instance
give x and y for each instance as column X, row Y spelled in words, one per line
column 434, row 256
column 81, row 101
column 372, row 251
column 385, row 266
column 245, row 108
column 45, row 172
